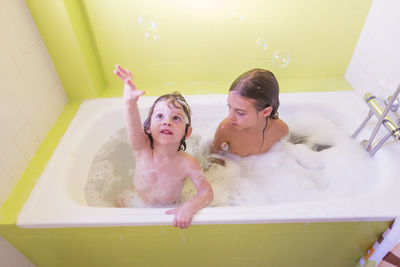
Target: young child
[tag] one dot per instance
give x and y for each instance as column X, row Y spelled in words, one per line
column 252, row 126
column 161, row 163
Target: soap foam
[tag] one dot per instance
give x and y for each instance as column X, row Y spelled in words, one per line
column 292, row 171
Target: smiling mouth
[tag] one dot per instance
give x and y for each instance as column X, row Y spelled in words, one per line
column 166, row 132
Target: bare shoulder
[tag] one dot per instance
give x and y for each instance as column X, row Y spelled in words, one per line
column 280, row 129
column 223, row 134
column 225, row 127
column 190, row 165
column 189, row 162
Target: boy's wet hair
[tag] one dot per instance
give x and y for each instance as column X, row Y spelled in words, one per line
column 175, row 100
column 260, row 85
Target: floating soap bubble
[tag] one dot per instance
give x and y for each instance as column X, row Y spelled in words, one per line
column 140, row 20
column 261, row 44
column 151, row 36
column 154, row 25
column 146, row 22
column 281, row 58
column 238, row 15
column 143, row 21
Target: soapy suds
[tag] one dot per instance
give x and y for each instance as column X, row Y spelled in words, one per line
column 317, row 161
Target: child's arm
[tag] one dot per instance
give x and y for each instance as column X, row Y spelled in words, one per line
column 137, row 137
column 184, row 214
column 219, row 137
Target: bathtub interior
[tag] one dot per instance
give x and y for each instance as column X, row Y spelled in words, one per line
column 297, row 169
column 65, row 176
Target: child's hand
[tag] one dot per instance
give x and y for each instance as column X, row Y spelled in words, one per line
column 183, row 216
column 130, row 91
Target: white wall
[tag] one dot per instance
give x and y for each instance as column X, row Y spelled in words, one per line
column 375, row 65
column 31, row 99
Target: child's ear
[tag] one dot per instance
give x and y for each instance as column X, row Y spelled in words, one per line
column 147, row 130
column 266, row 111
column 189, row 132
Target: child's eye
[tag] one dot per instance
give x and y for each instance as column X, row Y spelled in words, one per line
column 241, row 113
column 159, row 116
column 177, row 118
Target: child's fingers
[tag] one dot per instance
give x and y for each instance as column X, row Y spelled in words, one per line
column 119, row 74
column 187, row 222
column 123, row 71
column 184, row 223
column 123, row 74
column 178, row 220
column 130, row 83
column 140, row 93
column 172, row 211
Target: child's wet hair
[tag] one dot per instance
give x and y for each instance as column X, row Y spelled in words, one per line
column 175, row 100
column 260, row 85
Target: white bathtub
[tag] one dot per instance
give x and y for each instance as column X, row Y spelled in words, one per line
column 58, row 199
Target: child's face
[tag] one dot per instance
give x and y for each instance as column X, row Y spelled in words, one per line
column 167, row 123
column 242, row 113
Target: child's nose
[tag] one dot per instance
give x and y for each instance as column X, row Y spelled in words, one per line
column 231, row 116
column 167, row 121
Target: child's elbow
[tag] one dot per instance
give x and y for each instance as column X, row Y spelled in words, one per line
column 207, row 194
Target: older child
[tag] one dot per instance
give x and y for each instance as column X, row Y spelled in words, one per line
column 161, row 163
column 252, row 126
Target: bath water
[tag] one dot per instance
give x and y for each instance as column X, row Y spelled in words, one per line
column 316, row 161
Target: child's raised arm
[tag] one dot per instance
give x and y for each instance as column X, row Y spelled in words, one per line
column 137, row 137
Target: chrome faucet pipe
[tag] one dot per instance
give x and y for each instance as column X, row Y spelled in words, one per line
column 382, row 117
column 391, row 121
column 370, row 114
column 380, row 143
